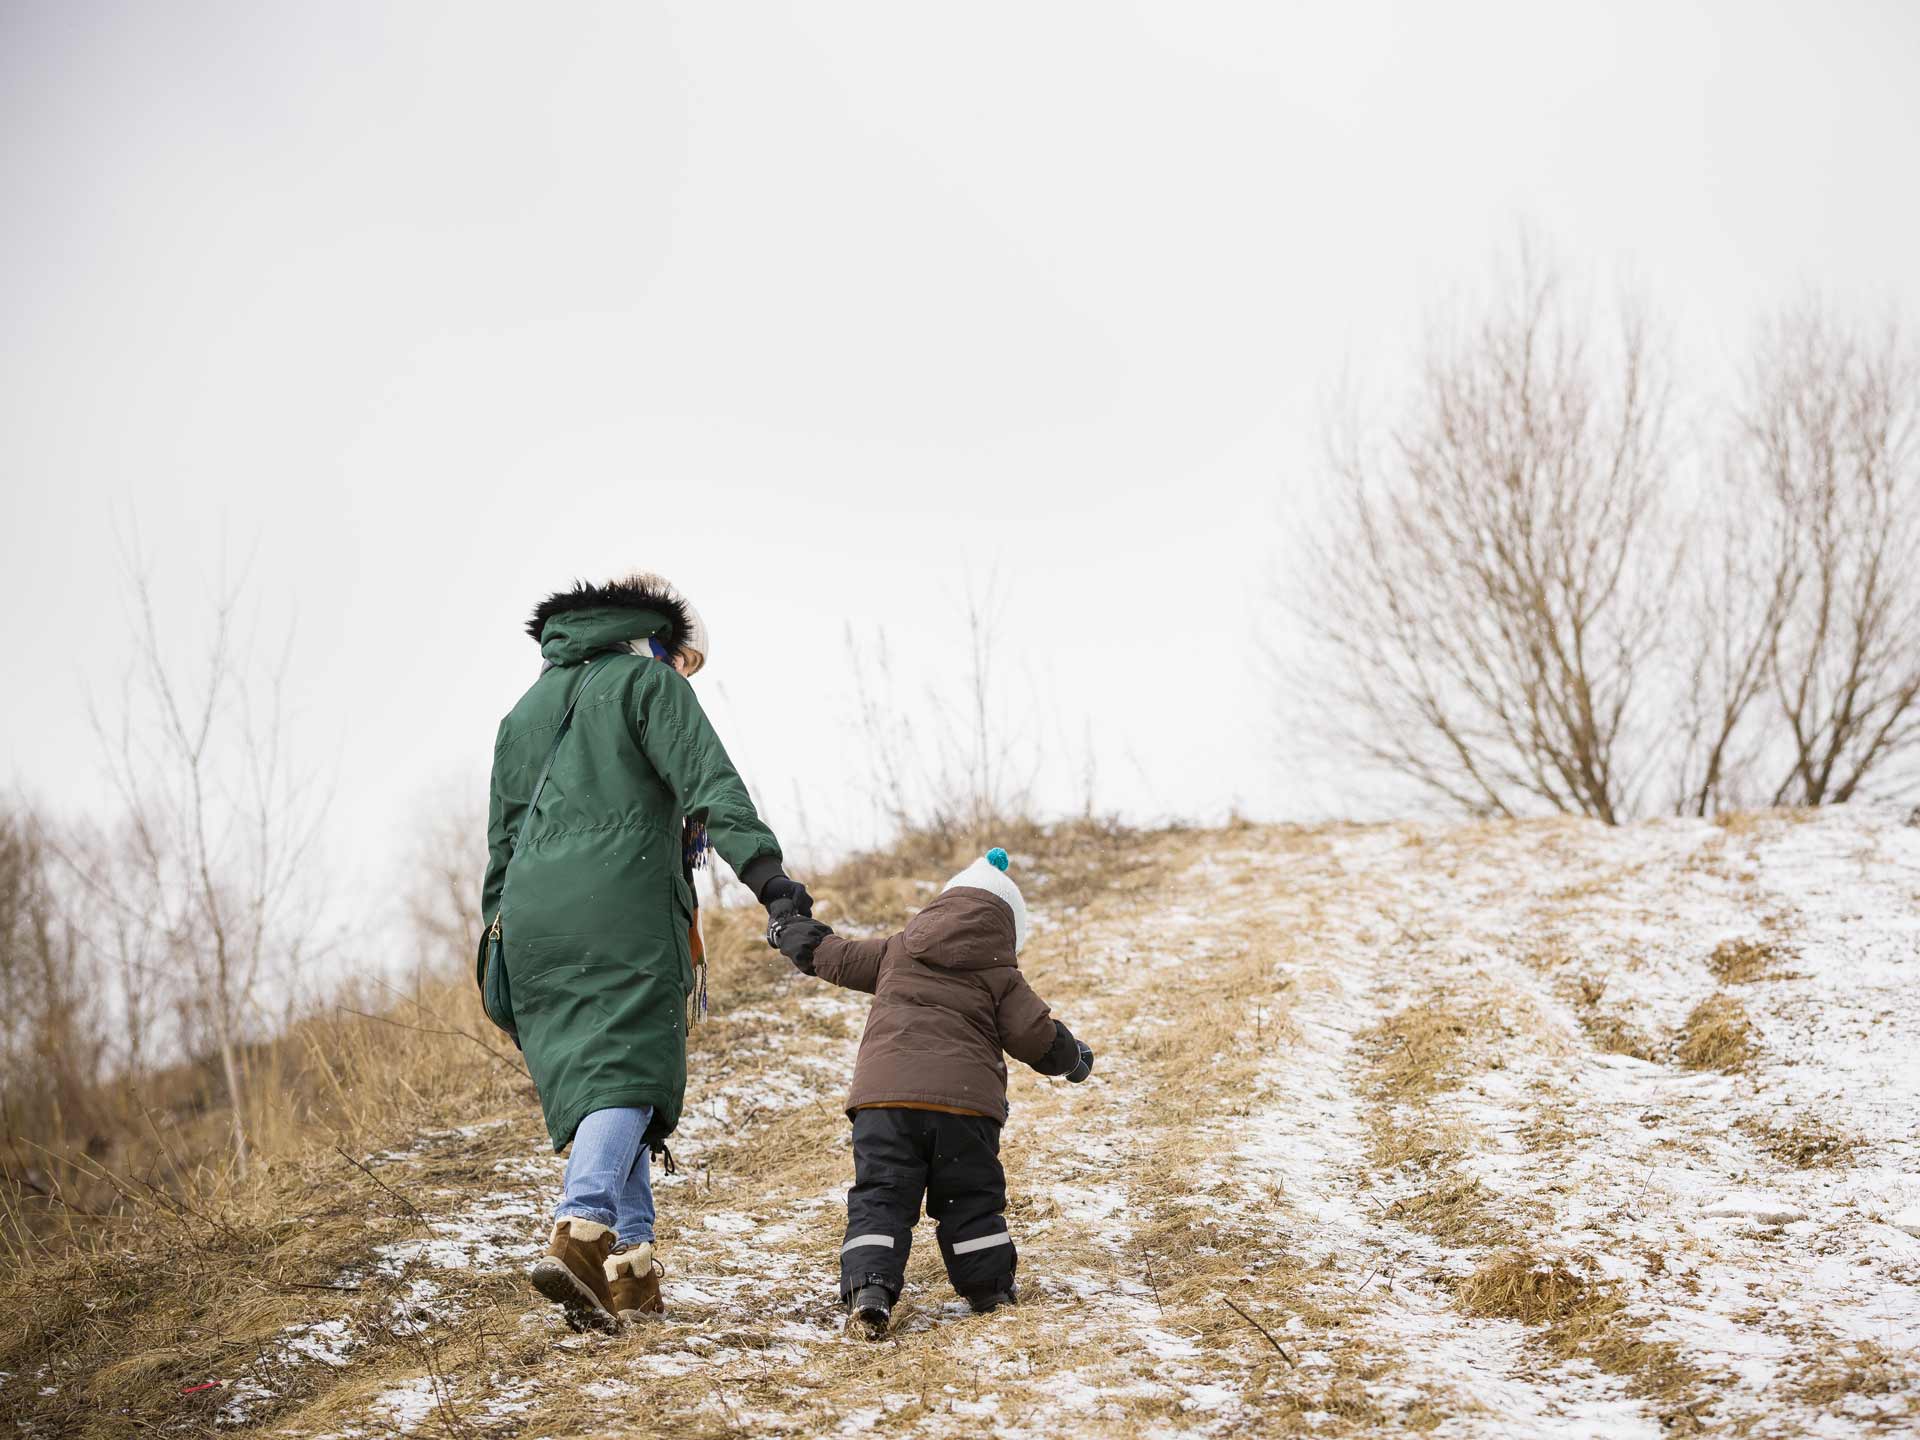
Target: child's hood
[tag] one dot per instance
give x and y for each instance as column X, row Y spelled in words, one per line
column 963, row 929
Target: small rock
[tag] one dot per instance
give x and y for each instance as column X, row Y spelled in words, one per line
column 1767, row 1209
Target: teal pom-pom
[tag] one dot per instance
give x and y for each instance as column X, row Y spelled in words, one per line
column 997, row 858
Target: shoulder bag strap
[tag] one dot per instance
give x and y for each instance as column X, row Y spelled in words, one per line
column 539, row 785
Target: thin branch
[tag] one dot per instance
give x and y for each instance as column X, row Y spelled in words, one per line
column 1278, row 1347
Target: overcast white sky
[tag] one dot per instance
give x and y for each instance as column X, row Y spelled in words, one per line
column 822, row 309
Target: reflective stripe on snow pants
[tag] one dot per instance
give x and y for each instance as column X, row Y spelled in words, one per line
column 985, row 1242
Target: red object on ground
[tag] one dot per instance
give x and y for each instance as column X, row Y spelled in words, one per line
column 210, row 1385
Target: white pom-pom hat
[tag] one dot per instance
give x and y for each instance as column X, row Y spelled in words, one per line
column 989, row 873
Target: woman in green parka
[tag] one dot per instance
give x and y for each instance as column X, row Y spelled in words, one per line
column 608, row 785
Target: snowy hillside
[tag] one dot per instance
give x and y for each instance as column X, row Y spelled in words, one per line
column 1490, row 1130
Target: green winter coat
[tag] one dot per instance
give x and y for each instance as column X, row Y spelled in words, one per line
column 589, row 965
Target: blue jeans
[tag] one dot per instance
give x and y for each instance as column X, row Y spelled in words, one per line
column 607, row 1174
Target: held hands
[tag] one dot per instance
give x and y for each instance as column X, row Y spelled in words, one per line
column 794, row 935
column 782, row 891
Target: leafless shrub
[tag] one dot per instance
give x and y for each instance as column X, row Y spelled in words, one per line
column 1829, row 444
column 955, row 767
column 1521, row 605
column 207, row 882
column 1495, row 585
column 54, row 1046
column 442, row 888
column 1730, row 602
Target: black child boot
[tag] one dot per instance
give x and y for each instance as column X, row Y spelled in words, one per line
column 869, row 1312
column 1006, row 1293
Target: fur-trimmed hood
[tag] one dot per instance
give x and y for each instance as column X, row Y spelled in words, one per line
column 634, row 594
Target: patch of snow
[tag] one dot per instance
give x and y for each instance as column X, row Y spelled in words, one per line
column 408, row 1406
column 330, row 1342
column 1767, row 1209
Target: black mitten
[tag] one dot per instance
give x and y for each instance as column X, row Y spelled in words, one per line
column 797, row 938
column 778, row 913
column 1063, row 1055
column 1084, row 1067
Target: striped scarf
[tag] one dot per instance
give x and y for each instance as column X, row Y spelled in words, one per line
column 693, row 852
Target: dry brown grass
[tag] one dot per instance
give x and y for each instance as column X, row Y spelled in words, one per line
column 1431, row 1046
column 1586, row 1319
column 1616, row 1035
column 1866, row 1371
column 194, row 1278
column 1608, row 1030
column 1759, row 822
column 1741, row 962
column 1416, row 1056
column 1457, row 1210
column 1199, row 1048
column 1716, row 1036
column 1422, row 1053
column 1805, row 1145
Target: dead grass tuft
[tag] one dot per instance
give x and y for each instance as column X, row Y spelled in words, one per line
column 1524, row 1288
column 1759, row 822
column 1607, row 1030
column 1867, row 1370
column 1808, row 1145
column 1616, row 1036
column 1741, row 962
column 1717, row 1036
column 1585, row 1319
column 1457, row 1210
column 1419, row 1054
column 1430, row 1047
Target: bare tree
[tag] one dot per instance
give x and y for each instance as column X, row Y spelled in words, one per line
column 1829, row 445
column 210, row 884
column 442, row 898
column 1493, row 587
column 1730, row 606
column 53, row 1030
column 957, row 763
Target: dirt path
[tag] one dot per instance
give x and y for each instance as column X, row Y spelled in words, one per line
column 1368, row 1150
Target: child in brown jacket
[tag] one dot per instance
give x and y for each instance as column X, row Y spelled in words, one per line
column 930, row 1086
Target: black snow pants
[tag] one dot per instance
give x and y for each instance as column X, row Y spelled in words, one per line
column 954, row 1161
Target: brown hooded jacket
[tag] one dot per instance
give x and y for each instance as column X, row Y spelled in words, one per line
column 949, row 999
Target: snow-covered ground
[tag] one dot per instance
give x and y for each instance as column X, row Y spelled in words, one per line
column 1348, row 1079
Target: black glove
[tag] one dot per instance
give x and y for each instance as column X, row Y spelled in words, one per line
column 1084, row 1067
column 781, row 888
column 797, row 937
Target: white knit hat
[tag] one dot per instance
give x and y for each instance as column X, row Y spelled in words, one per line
column 698, row 646
column 989, row 873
